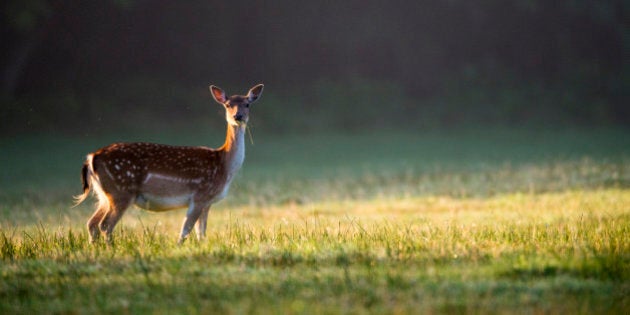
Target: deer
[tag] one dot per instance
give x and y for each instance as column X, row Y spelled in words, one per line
column 158, row 177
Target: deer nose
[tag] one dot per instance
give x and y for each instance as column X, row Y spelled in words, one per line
column 238, row 117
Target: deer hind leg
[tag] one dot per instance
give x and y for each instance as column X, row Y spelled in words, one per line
column 94, row 221
column 201, row 223
column 194, row 212
column 119, row 204
column 102, row 207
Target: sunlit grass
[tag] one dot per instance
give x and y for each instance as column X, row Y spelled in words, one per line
column 428, row 253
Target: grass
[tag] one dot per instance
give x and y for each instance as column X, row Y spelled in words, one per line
column 476, row 222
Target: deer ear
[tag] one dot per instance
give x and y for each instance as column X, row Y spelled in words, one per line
column 218, row 94
column 255, row 93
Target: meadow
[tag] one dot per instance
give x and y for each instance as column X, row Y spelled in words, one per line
column 393, row 222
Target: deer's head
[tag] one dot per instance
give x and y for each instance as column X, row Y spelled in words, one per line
column 236, row 106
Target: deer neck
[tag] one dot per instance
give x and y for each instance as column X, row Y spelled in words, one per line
column 234, row 148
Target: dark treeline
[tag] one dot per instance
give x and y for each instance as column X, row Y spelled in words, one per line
column 437, row 63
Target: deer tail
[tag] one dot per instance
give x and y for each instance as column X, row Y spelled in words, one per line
column 85, row 180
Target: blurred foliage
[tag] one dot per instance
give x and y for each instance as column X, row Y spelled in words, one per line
column 68, row 65
column 24, row 15
column 352, row 105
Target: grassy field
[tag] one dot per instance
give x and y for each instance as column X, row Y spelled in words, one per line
column 494, row 221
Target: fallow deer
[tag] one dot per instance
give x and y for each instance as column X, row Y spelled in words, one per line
column 160, row 177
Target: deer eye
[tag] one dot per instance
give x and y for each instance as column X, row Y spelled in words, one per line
column 247, row 105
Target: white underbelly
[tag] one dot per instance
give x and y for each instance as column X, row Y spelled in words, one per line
column 161, row 203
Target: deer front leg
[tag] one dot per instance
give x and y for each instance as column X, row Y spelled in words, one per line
column 202, row 223
column 193, row 214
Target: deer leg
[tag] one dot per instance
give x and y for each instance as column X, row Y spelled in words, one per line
column 93, row 222
column 118, row 206
column 201, row 223
column 193, row 214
